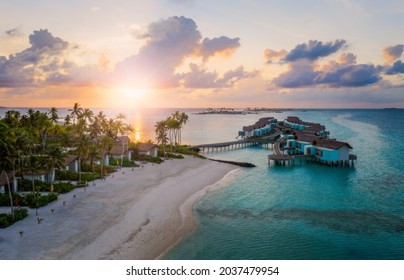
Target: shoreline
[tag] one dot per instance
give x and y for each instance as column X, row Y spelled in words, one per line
column 137, row 214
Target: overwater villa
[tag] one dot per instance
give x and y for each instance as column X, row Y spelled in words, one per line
column 310, row 141
column 292, row 140
column 262, row 127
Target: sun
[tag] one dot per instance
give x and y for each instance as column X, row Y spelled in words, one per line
column 132, row 93
column 128, row 97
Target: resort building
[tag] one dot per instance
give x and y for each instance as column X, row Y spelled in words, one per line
column 119, row 150
column 148, row 149
column 305, row 140
column 262, row 127
column 72, row 163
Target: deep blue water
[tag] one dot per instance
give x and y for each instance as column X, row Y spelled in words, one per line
column 309, row 211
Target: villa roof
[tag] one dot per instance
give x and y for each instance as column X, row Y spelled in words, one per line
column 145, row 147
column 306, row 137
column 259, row 124
column 118, row 149
column 332, row 144
column 124, row 139
column 70, row 158
column 315, row 128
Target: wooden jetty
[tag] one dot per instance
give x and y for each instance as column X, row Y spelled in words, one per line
column 238, row 144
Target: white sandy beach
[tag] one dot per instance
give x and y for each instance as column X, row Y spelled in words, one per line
column 135, row 215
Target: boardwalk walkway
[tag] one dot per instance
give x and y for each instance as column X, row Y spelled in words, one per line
column 271, row 138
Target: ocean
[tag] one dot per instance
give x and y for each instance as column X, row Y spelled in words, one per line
column 304, row 212
column 310, row 211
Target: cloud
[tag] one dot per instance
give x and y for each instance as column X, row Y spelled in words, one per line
column 221, row 45
column 169, row 42
column 305, row 71
column 272, row 56
column 14, row 32
column 357, row 75
column 393, row 52
column 313, row 50
column 396, row 68
column 199, row 77
column 42, row 63
column 44, row 39
column 347, row 58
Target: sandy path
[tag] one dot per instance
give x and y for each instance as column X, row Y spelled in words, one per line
column 135, row 215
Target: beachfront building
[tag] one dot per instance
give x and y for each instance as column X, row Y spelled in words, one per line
column 119, row 150
column 262, row 127
column 41, row 175
column 11, row 178
column 148, row 149
column 71, row 163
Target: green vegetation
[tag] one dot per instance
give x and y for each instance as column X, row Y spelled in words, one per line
column 147, row 158
column 32, row 200
column 169, row 155
column 73, row 176
column 8, row 219
column 62, row 187
column 169, row 130
column 126, row 162
column 184, row 150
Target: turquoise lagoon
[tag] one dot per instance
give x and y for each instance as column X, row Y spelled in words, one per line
column 309, row 211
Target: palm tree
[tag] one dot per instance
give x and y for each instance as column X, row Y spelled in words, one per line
column 161, row 133
column 7, row 140
column 94, row 152
column 82, row 147
column 87, row 115
column 67, row 120
column 183, row 118
column 106, row 145
column 53, row 114
column 32, row 164
column 75, row 112
column 55, row 158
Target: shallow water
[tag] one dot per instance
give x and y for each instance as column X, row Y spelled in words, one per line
column 309, row 211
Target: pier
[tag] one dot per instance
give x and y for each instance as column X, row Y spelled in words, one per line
column 265, row 141
column 222, row 146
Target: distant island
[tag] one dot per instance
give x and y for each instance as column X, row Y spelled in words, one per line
column 232, row 111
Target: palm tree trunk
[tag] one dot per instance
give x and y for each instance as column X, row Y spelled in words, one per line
column 79, row 169
column 10, row 196
column 35, row 193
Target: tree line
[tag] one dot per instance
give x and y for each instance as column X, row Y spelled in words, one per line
column 38, row 141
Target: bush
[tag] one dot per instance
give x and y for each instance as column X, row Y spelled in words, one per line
column 73, row 176
column 7, row 219
column 28, row 199
column 185, row 151
column 126, row 162
column 63, row 187
column 169, row 155
column 26, row 186
column 148, row 158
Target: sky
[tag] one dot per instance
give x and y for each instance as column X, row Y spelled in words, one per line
column 202, row 53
